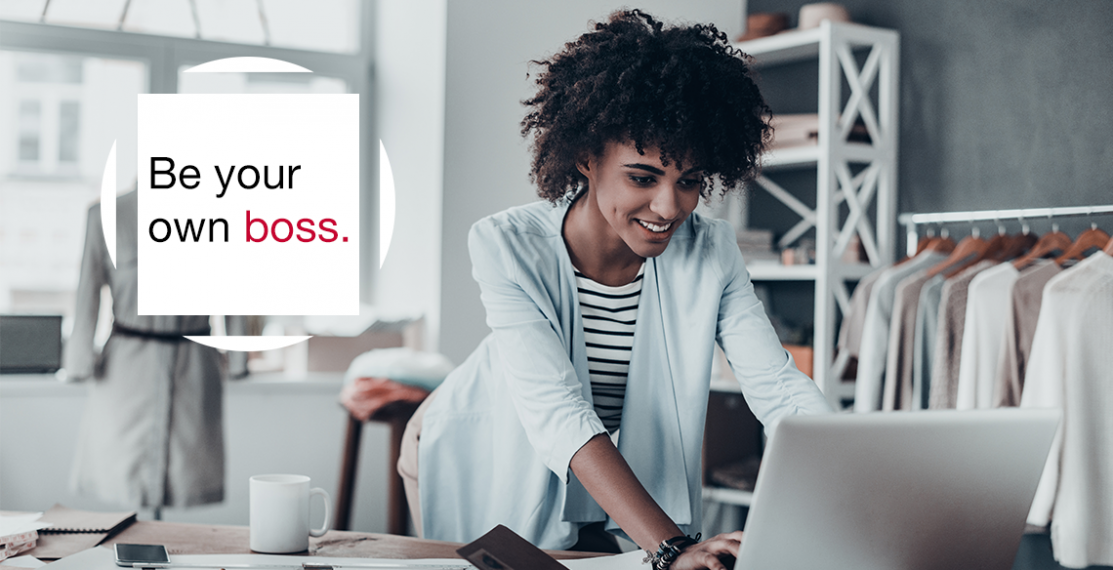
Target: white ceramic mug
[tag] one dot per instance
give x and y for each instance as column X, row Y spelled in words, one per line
column 280, row 513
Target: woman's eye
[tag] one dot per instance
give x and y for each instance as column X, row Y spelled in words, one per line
column 642, row 180
column 690, row 182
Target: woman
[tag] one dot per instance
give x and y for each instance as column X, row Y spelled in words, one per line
column 605, row 303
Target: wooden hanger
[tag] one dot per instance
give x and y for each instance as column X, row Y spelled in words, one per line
column 942, row 244
column 1087, row 240
column 1021, row 243
column 993, row 250
column 1054, row 242
column 968, row 247
column 924, row 243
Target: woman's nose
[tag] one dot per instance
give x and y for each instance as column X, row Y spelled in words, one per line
column 666, row 203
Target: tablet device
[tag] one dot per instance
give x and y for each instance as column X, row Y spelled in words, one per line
column 131, row 554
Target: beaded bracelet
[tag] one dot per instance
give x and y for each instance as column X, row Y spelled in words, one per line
column 669, row 551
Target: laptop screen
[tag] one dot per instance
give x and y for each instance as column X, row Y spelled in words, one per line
column 30, row 343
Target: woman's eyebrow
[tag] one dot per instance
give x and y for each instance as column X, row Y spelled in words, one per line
column 646, row 167
column 656, row 170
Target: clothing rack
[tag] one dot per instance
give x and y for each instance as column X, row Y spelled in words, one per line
column 911, row 221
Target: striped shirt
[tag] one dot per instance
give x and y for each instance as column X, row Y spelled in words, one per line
column 609, row 314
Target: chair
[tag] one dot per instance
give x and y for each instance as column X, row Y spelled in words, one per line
column 385, row 386
column 395, row 414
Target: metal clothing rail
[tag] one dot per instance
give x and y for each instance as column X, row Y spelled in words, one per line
column 911, row 221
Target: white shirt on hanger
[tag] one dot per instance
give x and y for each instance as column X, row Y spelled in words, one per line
column 1071, row 367
column 987, row 307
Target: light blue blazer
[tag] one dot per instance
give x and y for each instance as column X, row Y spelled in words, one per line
column 497, row 440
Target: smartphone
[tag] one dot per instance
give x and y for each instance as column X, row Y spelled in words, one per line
column 131, row 554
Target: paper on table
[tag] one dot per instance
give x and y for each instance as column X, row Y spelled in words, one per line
column 17, row 524
column 627, row 561
column 55, row 546
column 103, row 558
column 24, row 562
column 278, row 560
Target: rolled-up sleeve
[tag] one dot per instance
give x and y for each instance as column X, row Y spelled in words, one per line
column 771, row 383
column 538, row 373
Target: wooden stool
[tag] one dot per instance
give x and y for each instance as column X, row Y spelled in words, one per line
column 396, row 414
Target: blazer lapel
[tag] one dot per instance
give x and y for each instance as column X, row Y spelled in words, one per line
column 650, row 438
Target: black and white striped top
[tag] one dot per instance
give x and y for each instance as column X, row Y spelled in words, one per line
column 609, row 314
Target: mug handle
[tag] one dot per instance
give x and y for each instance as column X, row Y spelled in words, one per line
column 315, row 532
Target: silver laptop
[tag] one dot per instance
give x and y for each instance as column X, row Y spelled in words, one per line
column 897, row 491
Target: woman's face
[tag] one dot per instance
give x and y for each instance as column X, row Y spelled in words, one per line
column 642, row 200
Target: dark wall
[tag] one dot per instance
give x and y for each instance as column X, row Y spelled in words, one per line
column 1004, row 103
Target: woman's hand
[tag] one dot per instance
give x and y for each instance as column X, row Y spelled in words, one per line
column 707, row 554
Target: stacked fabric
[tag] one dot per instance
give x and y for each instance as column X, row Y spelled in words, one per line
column 757, row 246
column 792, row 130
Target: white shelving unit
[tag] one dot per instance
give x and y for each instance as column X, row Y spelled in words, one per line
column 834, row 159
column 873, row 98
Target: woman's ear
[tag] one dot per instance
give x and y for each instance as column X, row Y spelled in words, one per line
column 583, row 164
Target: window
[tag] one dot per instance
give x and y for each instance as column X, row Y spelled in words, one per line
column 69, row 123
column 51, row 166
column 70, row 91
column 30, row 125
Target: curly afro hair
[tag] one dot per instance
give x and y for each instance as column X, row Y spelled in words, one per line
column 681, row 89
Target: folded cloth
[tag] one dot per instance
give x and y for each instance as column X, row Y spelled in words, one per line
column 403, row 365
column 380, row 377
column 365, row 396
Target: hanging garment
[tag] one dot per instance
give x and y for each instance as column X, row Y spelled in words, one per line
column 987, row 305
column 850, row 333
column 152, row 431
column 923, row 341
column 897, row 393
column 1071, row 368
column 875, row 330
column 948, row 337
column 1020, row 327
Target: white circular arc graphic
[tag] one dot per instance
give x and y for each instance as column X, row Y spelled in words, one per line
column 247, row 65
column 387, row 204
column 248, row 343
column 108, row 204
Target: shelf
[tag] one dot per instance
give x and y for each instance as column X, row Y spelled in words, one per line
column 803, row 156
column 728, row 496
column 801, row 45
column 857, row 69
column 798, row 45
column 773, row 272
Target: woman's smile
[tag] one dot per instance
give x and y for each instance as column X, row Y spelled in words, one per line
column 657, row 233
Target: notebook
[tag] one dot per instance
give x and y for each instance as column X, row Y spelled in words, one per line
column 75, row 530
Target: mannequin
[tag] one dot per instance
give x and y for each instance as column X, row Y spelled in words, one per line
column 152, row 432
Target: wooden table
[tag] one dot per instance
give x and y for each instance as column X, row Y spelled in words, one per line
column 182, row 538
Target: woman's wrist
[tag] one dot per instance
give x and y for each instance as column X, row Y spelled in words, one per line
column 668, row 551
